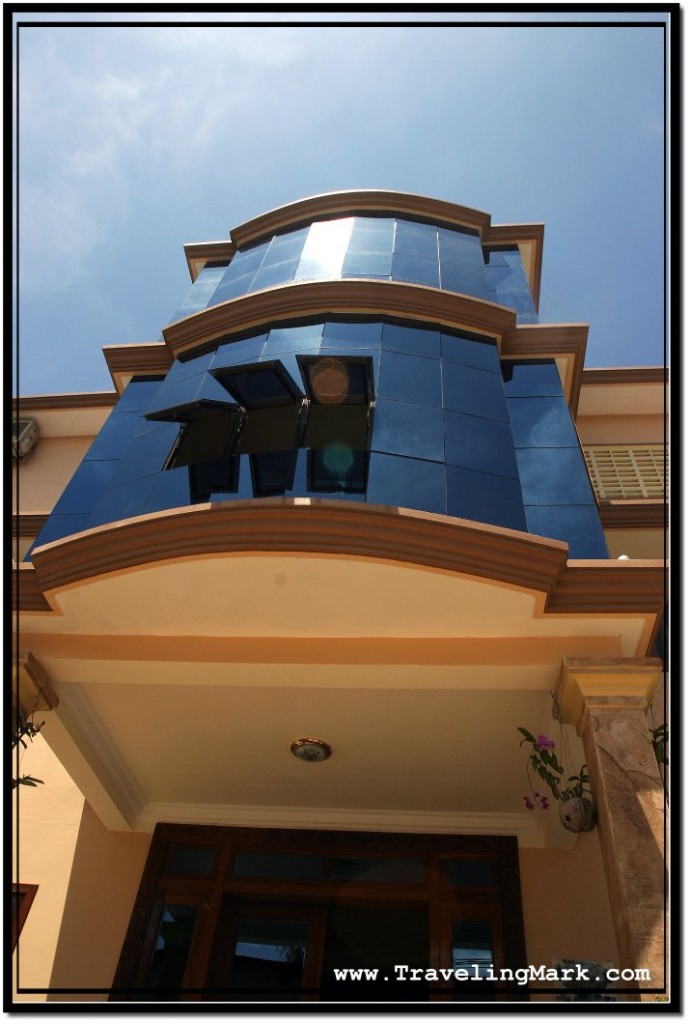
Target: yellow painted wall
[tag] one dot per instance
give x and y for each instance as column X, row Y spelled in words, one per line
column 44, row 474
column 48, row 819
column 566, row 911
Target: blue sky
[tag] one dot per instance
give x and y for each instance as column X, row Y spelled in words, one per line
column 135, row 140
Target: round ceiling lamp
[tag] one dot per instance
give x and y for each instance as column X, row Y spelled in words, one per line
column 310, row 749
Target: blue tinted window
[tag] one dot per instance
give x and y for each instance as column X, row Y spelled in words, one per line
column 481, row 444
column 578, row 525
column 274, row 273
column 83, row 490
column 246, row 261
column 542, row 423
column 554, row 476
column 303, row 338
column 416, row 240
column 367, row 264
column 123, row 502
column 236, row 353
column 180, row 400
column 415, row 270
column 138, row 395
column 459, row 247
column 470, row 351
column 286, row 247
column 417, row 341
column 146, row 453
column 171, row 490
column 410, row 483
column 485, row 498
column 347, row 334
column 182, row 369
column 404, row 429
column 409, row 378
column 59, row 526
column 466, row 281
column 233, row 289
column 473, row 391
column 371, row 234
column 114, row 436
column 522, row 380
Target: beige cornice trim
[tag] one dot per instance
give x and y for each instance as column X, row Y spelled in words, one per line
column 28, row 524
column 27, row 594
column 86, row 400
column 552, row 341
column 352, row 530
column 529, row 237
column 198, row 254
column 635, row 513
column 148, row 358
column 625, row 375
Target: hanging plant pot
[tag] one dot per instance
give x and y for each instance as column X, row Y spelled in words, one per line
column 578, row 814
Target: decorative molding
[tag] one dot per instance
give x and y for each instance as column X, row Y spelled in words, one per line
column 27, row 595
column 148, row 358
column 86, row 400
column 626, row 375
column 355, row 530
column 347, row 819
column 199, row 253
column 633, row 513
column 28, row 524
column 95, row 744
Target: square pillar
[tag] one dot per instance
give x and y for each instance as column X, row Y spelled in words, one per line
column 607, row 702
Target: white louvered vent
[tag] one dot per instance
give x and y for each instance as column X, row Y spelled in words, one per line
column 627, row 471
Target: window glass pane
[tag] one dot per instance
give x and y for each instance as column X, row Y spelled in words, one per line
column 169, row 960
column 401, row 428
column 377, row 869
column 578, row 525
column 371, row 235
column 471, row 351
column 485, row 498
column 469, row 872
column 418, row 341
column 351, row 333
column 523, row 380
column 274, row 273
column 554, row 476
column 325, row 248
column 411, row 378
column 416, row 240
column 415, row 270
column 278, row 865
column 374, row 264
column 542, row 423
column 475, row 392
column 192, row 860
column 477, row 443
column 472, row 951
column 269, row 958
column 412, row 483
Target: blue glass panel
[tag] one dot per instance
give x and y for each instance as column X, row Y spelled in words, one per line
column 375, row 264
column 114, row 436
column 58, row 526
column 455, row 278
column 459, row 247
column 146, row 453
column 171, row 490
column 233, row 288
column 138, row 395
column 237, row 353
column 325, row 248
column 485, row 498
column 175, row 400
column 85, row 487
column 123, row 502
column 201, row 291
column 470, row 352
column 542, row 423
column 415, row 239
column 278, row 865
column 554, row 476
column 377, row 869
column 521, row 302
column 415, row 270
column 182, row 369
column 473, row 391
column 193, row 860
column 404, row 429
column 347, row 334
column 410, row 483
column 522, row 380
column 418, row 341
column 469, row 872
column 409, row 378
column 273, row 274
column 371, row 234
column 286, row 247
column 477, row 443
column 303, row 338
column 578, row 525
column 246, row 261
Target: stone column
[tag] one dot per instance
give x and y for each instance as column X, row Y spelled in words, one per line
column 607, row 700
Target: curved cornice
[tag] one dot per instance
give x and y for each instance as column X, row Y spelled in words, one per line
column 147, row 358
column 355, row 202
column 346, row 529
column 386, row 298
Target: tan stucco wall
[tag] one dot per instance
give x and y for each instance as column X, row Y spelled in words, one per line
column 48, row 825
column 106, row 873
column 566, row 905
column 44, row 474
column 621, row 429
column 636, row 543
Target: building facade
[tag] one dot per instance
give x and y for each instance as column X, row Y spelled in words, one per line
column 286, row 595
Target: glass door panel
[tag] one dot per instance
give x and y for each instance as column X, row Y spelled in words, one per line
column 472, row 946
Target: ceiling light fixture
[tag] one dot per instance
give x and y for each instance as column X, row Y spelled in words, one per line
column 309, row 749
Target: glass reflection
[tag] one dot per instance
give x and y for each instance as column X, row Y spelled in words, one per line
column 172, row 947
column 324, row 249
